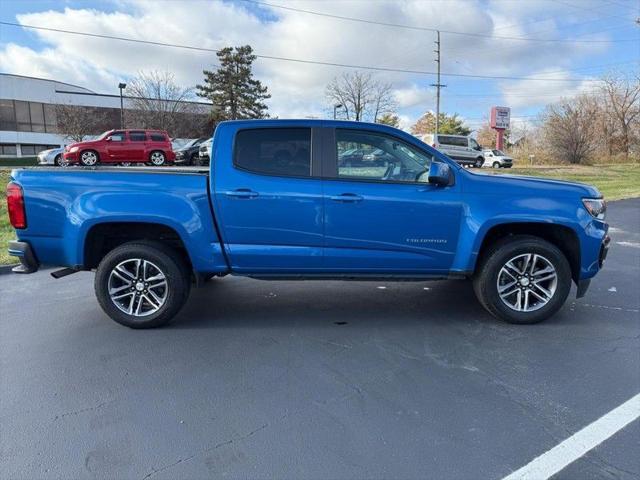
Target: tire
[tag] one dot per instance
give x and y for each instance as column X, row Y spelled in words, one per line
column 496, row 165
column 89, row 158
column 479, row 162
column 490, row 276
column 193, row 160
column 138, row 307
column 126, row 164
column 157, row 158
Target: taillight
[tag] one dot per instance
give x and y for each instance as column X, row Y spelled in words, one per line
column 15, row 206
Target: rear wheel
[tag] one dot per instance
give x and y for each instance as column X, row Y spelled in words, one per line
column 157, row 158
column 89, row 158
column 59, row 161
column 522, row 279
column 479, row 162
column 142, row 284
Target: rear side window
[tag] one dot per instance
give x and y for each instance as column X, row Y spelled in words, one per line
column 455, row 141
column 157, row 137
column 137, row 136
column 274, row 151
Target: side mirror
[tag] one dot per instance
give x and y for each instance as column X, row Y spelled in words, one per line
column 439, row 173
column 108, row 139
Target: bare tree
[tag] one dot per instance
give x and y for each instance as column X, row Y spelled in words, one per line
column 361, row 96
column 622, row 103
column 570, row 128
column 156, row 101
column 77, row 122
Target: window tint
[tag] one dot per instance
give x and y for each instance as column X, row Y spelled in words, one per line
column 8, row 149
column 7, row 115
column 137, row 136
column 473, row 144
column 455, row 141
column 22, row 116
column 117, row 137
column 157, row 137
column 373, row 156
column 274, row 151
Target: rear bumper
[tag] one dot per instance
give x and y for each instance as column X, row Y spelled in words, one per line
column 24, row 252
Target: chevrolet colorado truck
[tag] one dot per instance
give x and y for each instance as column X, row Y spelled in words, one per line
column 277, row 202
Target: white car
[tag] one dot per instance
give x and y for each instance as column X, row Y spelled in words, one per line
column 204, row 152
column 52, row 156
column 497, row 159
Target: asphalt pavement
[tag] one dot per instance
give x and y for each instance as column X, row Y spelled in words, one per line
column 319, row 380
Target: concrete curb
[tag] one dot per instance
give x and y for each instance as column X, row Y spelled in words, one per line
column 6, row 269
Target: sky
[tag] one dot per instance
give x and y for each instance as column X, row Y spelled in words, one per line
column 548, row 49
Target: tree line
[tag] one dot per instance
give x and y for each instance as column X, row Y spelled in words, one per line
column 603, row 123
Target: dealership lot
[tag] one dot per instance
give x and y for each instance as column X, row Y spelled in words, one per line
column 317, row 379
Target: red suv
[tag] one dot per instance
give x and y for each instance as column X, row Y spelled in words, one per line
column 123, row 147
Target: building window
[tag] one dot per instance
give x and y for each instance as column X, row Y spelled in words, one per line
column 8, row 149
column 31, row 150
column 7, row 116
column 37, row 117
column 50, row 118
column 22, row 116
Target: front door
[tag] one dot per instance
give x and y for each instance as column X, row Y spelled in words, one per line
column 117, row 147
column 269, row 201
column 382, row 216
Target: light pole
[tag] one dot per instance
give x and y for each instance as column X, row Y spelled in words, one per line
column 121, row 86
column 335, row 109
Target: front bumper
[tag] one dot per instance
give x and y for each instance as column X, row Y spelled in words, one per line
column 46, row 160
column 604, row 250
column 70, row 157
column 24, row 252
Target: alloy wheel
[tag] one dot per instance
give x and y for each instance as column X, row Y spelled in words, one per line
column 527, row 282
column 138, row 287
column 89, row 158
column 157, row 158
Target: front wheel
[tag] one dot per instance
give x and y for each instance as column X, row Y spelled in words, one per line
column 142, row 284
column 522, row 279
column 157, row 158
column 89, row 158
column 496, row 164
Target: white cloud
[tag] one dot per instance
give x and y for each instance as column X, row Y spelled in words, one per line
column 297, row 89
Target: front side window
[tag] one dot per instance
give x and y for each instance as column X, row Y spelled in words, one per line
column 373, row 156
column 137, row 136
column 274, row 151
column 117, row 137
column 474, row 144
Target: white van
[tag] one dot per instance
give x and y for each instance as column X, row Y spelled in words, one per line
column 464, row 150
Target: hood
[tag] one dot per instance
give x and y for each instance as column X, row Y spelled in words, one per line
column 520, row 185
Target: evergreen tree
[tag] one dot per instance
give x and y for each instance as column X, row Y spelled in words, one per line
column 449, row 124
column 234, row 92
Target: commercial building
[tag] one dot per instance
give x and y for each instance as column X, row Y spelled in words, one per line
column 28, row 118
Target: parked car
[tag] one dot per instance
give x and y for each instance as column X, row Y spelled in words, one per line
column 497, row 159
column 204, row 152
column 148, row 235
column 464, row 150
column 188, row 154
column 53, row 156
column 123, row 147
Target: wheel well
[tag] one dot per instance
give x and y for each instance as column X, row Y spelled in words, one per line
column 157, row 150
column 104, row 237
column 562, row 237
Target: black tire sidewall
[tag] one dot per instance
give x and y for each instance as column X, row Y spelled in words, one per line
column 177, row 280
column 486, row 287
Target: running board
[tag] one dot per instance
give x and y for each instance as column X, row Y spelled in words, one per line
column 63, row 272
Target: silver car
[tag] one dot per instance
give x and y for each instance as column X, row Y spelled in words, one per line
column 52, row 156
column 497, row 159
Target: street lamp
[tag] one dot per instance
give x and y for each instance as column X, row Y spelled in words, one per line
column 121, row 86
column 335, row 108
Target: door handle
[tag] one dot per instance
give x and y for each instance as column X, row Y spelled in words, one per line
column 242, row 193
column 347, row 197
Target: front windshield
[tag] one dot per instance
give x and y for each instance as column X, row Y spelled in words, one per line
column 103, row 135
column 498, row 153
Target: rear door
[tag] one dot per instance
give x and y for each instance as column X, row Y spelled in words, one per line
column 268, row 198
column 137, row 145
column 384, row 218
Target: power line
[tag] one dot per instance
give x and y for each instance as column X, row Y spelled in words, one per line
column 431, row 29
column 295, row 60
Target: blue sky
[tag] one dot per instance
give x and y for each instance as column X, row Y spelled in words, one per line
column 594, row 40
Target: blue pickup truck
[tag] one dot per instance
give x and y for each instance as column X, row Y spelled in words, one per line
column 284, row 199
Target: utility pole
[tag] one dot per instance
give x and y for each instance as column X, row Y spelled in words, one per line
column 438, row 86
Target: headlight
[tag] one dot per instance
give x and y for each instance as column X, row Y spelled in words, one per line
column 73, row 149
column 597, row 207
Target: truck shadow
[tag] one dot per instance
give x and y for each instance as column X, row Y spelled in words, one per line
column 246, row 303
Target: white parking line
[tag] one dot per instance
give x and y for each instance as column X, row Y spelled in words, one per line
column 574, row 447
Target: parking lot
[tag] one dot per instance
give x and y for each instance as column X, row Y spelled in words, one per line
column 263, row 379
